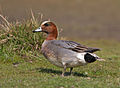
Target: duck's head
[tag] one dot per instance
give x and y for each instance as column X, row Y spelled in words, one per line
column 49, row 28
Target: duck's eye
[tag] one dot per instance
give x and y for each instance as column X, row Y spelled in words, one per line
column 46, row 24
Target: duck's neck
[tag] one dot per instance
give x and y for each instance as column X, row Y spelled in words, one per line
column 53, row 35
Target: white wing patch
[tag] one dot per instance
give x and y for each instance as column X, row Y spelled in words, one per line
column 94, row 55
column 80, row 56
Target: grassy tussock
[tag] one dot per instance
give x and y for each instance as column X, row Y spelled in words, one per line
column 17, row 39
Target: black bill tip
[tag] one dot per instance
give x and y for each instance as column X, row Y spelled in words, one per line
column 33, row 31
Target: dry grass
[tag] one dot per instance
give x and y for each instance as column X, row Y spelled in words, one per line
column 17, row 38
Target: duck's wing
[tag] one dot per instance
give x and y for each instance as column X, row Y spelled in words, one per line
column 73, row 46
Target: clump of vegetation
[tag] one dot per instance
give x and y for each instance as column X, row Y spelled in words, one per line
column 17, row 39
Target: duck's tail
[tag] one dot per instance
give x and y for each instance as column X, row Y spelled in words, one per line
column 91, row 57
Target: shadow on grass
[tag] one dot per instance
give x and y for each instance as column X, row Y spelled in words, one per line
column 46, row 70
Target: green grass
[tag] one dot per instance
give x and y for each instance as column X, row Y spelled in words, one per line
column 39, row 73
column 23, row 66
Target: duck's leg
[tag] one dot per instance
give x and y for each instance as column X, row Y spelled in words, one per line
column 71, row 70
column 64, row 65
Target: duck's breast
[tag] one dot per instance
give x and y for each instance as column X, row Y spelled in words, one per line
column 51, row 53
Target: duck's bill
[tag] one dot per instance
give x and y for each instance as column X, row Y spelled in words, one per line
column 37, row 30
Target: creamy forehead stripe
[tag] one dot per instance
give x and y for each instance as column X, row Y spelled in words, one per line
column 44, row 22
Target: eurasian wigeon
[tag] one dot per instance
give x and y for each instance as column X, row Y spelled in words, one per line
column 64, row 53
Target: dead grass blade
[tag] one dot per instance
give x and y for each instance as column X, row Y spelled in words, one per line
column 7, row 23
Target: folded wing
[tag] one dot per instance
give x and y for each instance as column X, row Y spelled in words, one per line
column 74, row 46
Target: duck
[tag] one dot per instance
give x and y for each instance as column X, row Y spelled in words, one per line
column 64, row 53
